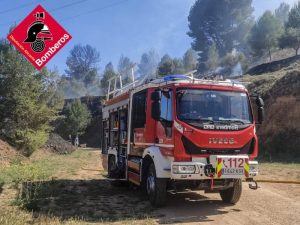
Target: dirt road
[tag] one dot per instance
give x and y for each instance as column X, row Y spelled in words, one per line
column 80, row 190
column 270, row 204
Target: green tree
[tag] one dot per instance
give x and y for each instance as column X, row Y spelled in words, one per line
column 178, row 66
column 294, row 17
column 265, row 34
column 290, row 39
column 166, row 66
column 108, row 73
column 223, row 22
column 212, row 58
column 282, row 12
column 291, row 36
column 29, row 100
column 77, row 118
column 82, row 64
column 190, row 60
column 148, row 64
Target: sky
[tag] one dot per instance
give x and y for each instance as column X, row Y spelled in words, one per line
column 117, row 27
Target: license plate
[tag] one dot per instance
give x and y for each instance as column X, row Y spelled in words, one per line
column 231, row 167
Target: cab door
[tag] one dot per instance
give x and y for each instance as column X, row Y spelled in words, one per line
column 164, row 127
column 138, row 123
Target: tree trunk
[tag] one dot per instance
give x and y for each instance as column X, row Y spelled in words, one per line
column 76, row 141
column 270, row 56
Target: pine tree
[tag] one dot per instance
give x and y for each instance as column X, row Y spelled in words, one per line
column 108, row 73
column 29, row 100
column 223, row 22
column 291, row 36
column 77, row 118
column 166, row 66
column 265, row 34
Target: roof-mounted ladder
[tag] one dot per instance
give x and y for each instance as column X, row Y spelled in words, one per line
column 113, row 83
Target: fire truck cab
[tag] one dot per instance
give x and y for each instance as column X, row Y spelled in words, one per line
column 178, row 133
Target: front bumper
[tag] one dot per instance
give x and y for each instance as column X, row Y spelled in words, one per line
column 203, row 171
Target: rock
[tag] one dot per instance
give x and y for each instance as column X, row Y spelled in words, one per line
column 58, row 145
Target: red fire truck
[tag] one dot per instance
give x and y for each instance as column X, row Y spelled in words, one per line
column 181, row 133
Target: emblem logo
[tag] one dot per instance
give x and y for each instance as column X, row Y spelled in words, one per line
column 39, row 37
column 221, row 141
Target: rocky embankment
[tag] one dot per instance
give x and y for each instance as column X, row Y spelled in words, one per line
column 280, row 133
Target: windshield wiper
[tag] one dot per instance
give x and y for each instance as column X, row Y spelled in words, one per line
column 207, row 120
column 232, row 121
column 199, row 120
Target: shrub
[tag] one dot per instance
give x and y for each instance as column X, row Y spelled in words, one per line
column 31, row 140
column 28, row 180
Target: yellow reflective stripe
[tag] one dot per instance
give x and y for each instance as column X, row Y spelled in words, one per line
column 246, row 167
column 219, row 167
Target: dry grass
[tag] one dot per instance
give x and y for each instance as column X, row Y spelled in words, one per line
column 276, row 55
column 287, row 110
column 15, row 216
column 279, row 171
column 72, row 191
column 261, row 84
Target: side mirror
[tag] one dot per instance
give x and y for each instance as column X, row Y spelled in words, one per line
column 155, row 96
column 155, row 110
column 260, row 115
column 155, row 107
column 260, row 102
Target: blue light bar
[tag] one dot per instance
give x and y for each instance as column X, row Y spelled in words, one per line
column 176, row 77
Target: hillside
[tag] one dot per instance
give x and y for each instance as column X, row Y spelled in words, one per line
column 279, row 135
column 7, row 153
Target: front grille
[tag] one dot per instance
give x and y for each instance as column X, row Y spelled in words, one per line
column 191, row 148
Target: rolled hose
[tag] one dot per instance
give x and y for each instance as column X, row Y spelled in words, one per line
column 83, row 168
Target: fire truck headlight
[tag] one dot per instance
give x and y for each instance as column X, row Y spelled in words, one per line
column 253, row 169
column 183, row 169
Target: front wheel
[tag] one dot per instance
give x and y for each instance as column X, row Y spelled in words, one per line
column 156, row 188
column 232, row 195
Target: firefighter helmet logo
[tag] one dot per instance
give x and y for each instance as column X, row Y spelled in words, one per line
column 39, row 37
column 37, row 33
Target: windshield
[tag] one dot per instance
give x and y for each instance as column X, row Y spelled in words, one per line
column 211, row 107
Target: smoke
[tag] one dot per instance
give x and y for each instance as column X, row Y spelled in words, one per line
column 76, row 89
column 237, row 70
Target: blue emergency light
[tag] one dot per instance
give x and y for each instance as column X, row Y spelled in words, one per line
column 176, row 77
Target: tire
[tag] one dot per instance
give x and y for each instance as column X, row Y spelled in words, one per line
column 156, row 188
column 232, row 195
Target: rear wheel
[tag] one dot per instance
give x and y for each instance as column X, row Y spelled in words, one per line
column 156, row 188
column 232, row 195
